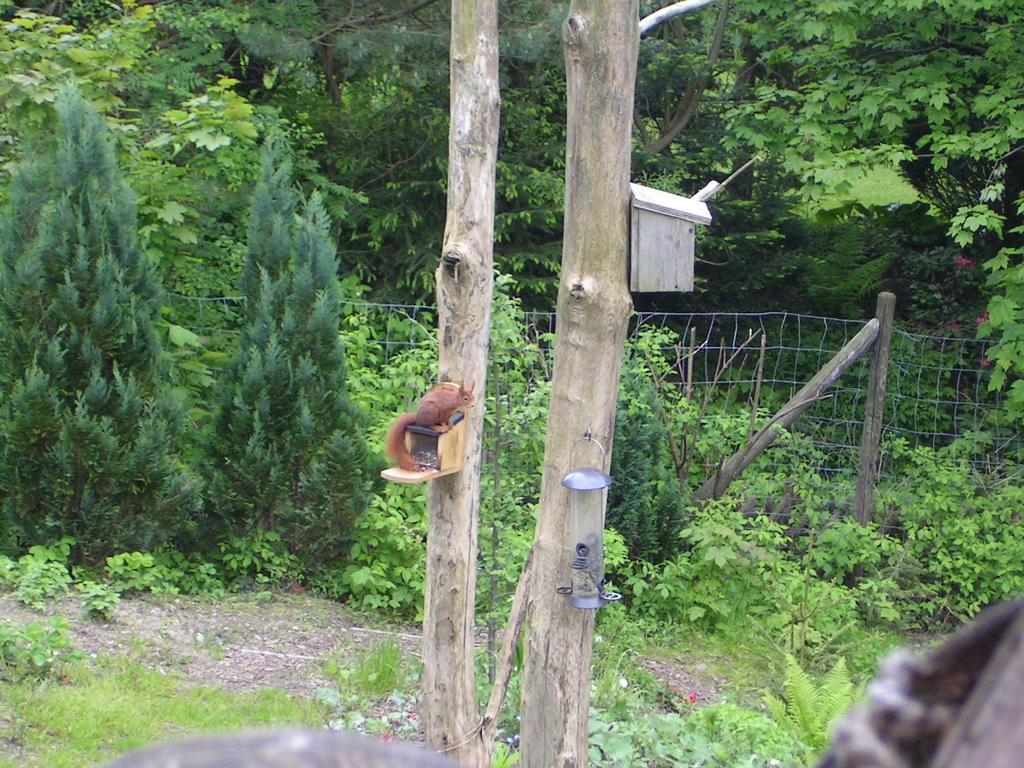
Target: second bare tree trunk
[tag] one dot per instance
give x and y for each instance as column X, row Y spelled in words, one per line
column 464, row 288
column 601, row 41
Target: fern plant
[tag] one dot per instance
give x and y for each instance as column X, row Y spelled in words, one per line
column 809, row 710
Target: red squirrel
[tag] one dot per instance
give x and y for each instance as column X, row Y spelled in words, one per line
column 434, row 410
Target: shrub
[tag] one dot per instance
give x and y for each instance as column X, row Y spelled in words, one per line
column 87, row 438
column 42, row 574
column 288, row 447
column 720, row 736
column 98, row 599
column 34, row 650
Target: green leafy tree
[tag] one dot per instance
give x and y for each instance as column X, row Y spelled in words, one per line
column 931, row 89
column 288, row 445
column 86, row 436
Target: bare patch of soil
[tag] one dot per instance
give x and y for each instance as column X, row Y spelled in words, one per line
column 237, row 642
column 242, row 643
column 693, row 682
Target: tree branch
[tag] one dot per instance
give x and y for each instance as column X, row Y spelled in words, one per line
column 353, row 22
column 691, row 99
column 509, row 641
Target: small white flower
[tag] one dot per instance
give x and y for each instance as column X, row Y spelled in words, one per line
column 623, row 682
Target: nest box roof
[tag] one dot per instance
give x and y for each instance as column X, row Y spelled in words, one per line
column 680, row 207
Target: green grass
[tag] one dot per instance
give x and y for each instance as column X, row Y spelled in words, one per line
column 370, row 674
column 98, row 713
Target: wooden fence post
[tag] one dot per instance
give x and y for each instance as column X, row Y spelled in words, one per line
column 874, row 411
column 809, row 394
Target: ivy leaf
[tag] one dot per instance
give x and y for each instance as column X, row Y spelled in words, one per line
column 203, row 138
column 185, row 235
column 172, row 212
column 1001, row 310
column 160, row 140
column 182, row 337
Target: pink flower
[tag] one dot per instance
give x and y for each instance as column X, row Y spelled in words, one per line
column 964, row 262
column 692, row 697
column 983, row 318
column 954, row 326
column 985, row 362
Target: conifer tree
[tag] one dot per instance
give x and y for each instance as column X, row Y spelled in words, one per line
column 288, row 443
column 85, row 437
column 645, row 503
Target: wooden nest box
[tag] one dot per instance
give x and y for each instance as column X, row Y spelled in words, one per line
column 662, row 232
column 437, row 453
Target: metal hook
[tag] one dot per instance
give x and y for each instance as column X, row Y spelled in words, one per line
column 588, row 437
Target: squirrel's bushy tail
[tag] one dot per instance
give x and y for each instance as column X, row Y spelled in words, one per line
column 395, row 443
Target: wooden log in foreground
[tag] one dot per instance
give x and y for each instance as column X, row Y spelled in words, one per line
column 288, row 748
column 959, row 706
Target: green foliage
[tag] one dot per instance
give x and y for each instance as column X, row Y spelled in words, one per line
column 87, row 440
column 191, row 574
column 1003, row 319
column 369, row 674
column 349, row 714
column 809, row 709
column 948, row 116
column 826, row 104
column 371, row 678
column 98, row 599
column 719, row 580
column 34, row 650
column 645, row 499
column 133, row 572
column 963, row 535
column 722, row 735
column 39, row 54
column 386, row 563
column 168, row 572
column 41, row 580
column 502, row 756
column 41, row 574
column 260, row 557
column 288, row 444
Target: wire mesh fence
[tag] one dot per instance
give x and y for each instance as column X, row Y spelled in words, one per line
column 937, row 389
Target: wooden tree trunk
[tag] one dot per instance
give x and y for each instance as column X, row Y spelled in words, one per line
column 464, row 289
column 989, row 730
column 601, row 41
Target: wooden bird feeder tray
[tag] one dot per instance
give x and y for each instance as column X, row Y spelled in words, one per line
column 437, row 453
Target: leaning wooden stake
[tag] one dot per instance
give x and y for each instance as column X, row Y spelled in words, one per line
column 464, row 289
column 601, row 41
column 874, row 411
column 810, row 393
